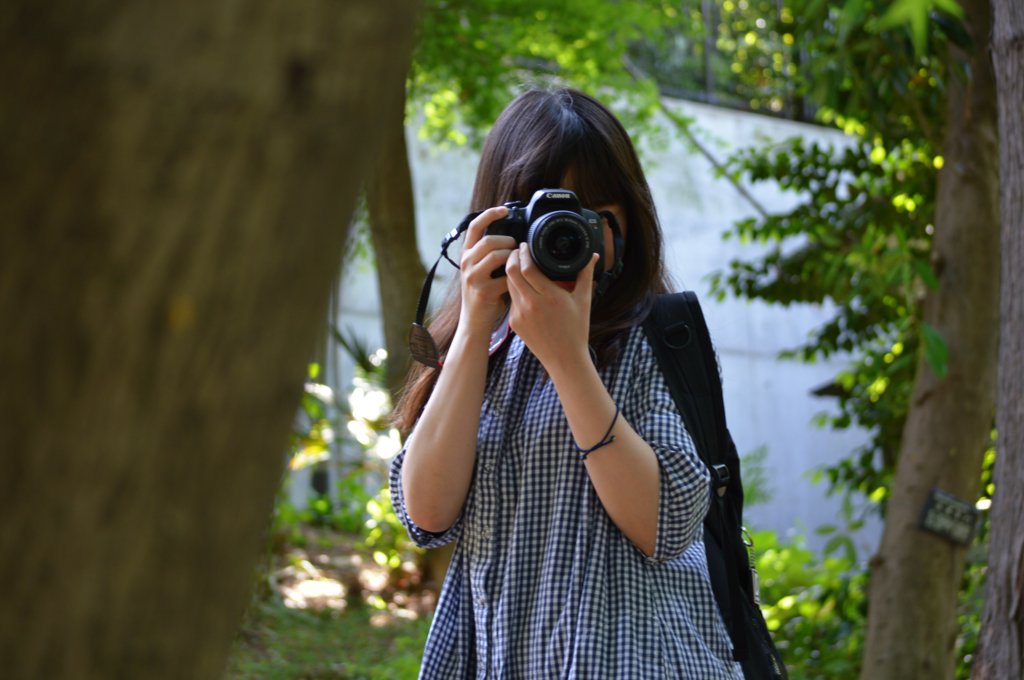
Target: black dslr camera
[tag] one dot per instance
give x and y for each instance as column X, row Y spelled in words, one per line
column 561, row 235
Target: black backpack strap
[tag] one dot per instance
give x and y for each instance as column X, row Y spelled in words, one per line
column 679, row 337
column 711, row 374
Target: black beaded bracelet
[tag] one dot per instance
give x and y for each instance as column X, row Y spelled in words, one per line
column 605, row 440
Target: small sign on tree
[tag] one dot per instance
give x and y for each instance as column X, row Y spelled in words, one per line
column 950, row 517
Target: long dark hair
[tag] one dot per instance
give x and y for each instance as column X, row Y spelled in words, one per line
column 540, row 140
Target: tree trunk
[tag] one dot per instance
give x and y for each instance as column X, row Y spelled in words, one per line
column 175, row 184
column 400, row 272
column 400, row 275
column 915, row 578
column 1000, row 653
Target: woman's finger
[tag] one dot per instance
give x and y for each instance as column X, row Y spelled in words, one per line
column 471, row 256
column 512, row 264
column 493, row 289
column 517, row 286
column 514, row 275
column 488, row 263
column 584, row 280
column 480, row 224
column 530, row 274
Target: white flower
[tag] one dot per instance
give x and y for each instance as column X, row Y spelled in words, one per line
column 369, row 403
column 362, row 432
column 388, row 446
column 321, row 392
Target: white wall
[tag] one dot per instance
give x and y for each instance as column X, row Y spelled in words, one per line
column 768, row 402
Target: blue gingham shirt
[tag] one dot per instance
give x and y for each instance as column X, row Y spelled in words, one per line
column 542, row 583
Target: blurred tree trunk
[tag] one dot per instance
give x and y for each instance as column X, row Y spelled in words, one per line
column 916, row 575
column 400, row 275
column 392, row 212
column 1000, row 654
column 176, row 180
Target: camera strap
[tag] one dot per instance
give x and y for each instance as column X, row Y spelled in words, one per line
column 618, row 247
column 421, row 343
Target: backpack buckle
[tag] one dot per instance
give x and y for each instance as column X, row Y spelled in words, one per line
column 677, row 336
column 720, row 478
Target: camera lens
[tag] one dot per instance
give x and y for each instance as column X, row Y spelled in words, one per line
column 561, row 243
column 564, row 243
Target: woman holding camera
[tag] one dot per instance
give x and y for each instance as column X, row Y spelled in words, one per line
column 560, row 462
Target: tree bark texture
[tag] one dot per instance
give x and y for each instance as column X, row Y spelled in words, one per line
column 915, row 577
column 400, row 271
column 176, row 180
column 1000, row 654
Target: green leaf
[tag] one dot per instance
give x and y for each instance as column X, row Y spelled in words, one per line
column 926, row 274
column 356, row 348
column 955, row 31
column 915, row 12
column 851, row 549
column 813, row 10
column 901, row 236
column 951, row 6
column 935, row 350
column 834, row 544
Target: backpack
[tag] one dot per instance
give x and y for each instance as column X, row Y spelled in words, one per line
column 679, row 336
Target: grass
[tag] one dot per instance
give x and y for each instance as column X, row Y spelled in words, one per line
column 358, row 643
column 327, row 611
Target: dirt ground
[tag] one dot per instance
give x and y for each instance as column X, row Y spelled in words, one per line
column 330, row 572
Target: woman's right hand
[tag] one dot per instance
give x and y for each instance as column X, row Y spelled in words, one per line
column 441, row 452
column 482, row 296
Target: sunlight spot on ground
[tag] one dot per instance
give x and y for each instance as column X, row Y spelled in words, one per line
column 391, row 615
column 314, row 594
column 322, row 588
column 310, row 569
column 327, row 574
column 373, row 580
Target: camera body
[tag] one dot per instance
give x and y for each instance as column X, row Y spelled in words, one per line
column 561, row 235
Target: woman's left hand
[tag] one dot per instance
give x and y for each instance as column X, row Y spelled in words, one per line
column 552, row 321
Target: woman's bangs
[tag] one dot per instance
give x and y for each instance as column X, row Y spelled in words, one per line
column 593, row 175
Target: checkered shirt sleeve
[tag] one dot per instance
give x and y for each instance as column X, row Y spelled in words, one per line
column 420, row 537
column 685, row 481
